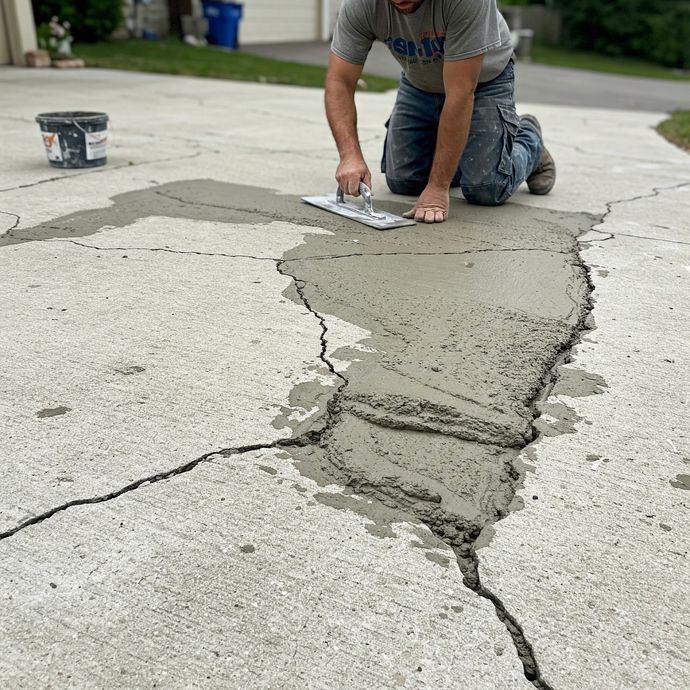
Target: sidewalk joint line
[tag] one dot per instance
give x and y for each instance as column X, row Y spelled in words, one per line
column 322, row 257
column 649, row 239
column 162, row 249
column 104, row 169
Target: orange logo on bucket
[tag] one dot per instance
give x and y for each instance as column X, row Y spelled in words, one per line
column 49, row 139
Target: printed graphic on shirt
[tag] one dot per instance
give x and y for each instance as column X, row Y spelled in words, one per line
column 428, row 48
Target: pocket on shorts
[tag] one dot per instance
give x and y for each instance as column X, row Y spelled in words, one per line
column 510, row 121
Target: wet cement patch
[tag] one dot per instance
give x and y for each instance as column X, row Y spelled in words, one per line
column 467, row 320
column 195, row 199
column 204, row 199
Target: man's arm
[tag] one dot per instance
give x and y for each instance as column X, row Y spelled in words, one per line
column 460, row 79
column 341, row 83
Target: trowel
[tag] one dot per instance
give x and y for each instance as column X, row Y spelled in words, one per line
column 366, row 213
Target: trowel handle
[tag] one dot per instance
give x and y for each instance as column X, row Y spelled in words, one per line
column 365, row 193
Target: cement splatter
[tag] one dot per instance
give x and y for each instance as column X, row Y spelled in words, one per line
column 682, row 481
column 53, row 412
column 577, row 383
column 131, row 370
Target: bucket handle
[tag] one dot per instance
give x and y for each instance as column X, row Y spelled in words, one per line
column 108, row 128
column 365, row 193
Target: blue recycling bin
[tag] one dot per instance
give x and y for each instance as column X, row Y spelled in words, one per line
column 223, row 22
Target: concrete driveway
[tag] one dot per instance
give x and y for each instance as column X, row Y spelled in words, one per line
column 247, row 444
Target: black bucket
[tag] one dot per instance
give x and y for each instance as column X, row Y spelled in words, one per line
column 74, row 139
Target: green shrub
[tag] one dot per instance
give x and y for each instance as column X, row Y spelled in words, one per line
column 91, row 20
column 658, row 30
column 616, row 27
column 670, row 44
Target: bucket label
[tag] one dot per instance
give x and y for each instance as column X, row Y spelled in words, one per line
column 51, row 140
column 95, row 144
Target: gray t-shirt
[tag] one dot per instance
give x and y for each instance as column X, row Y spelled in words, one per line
column 436, row 31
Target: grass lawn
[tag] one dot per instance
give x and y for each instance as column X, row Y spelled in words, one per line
column 559, row 57
column 176, row 57
column 677, row 129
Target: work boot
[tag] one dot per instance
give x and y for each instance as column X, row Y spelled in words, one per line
column 542, row 180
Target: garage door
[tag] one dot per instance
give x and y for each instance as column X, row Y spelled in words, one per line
column 4, row 41
column 277, row 21
column 334, row 9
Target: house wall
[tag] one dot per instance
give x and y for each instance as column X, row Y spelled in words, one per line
column 4, row 40
column 278, row 21
column 155, row 17
column 18, row 34
column 263, row 21
column 333, row 14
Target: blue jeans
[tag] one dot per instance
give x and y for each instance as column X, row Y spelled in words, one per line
column 499, row 154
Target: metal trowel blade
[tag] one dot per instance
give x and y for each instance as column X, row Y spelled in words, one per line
column 381, row 220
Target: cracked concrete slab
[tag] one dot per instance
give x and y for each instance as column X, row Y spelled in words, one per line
column 654, row 216
column 620, row 147
column 191, row 582
column 148, row 355
column 168, row 166
column 92, row 241
column 604, row 595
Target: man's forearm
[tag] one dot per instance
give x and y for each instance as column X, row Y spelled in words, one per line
column 342, row 118
column 453, row 130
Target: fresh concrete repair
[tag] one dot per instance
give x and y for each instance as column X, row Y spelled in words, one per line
column 434, row 413
column 435, row 407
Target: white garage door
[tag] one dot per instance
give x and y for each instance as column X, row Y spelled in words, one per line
column 278, row 21
column 4, row 42
column 334, row 9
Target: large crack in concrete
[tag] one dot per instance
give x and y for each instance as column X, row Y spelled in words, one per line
column 14, row 226
column 154, row 478
column 440, row 453
column 468, row 320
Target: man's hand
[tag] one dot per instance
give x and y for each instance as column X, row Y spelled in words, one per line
column 460, row 79
column 351, row 171
column 432, row 206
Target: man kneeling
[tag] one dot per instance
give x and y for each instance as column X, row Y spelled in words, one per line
column 454, row 122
